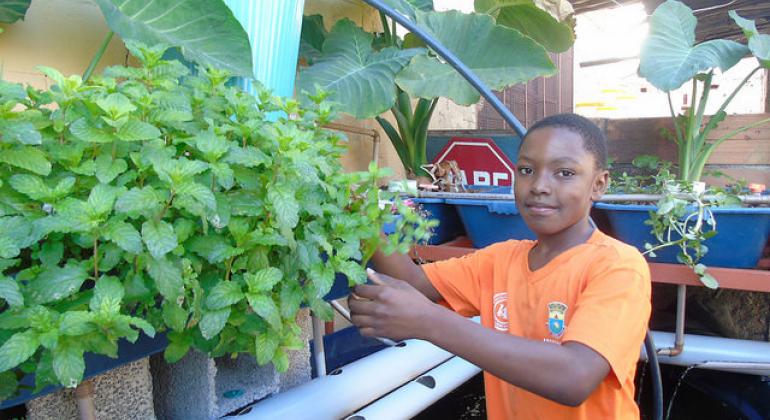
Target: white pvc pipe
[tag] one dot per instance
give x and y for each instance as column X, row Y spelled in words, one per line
column 419, row 394
column 717, row 353
column 353, row 386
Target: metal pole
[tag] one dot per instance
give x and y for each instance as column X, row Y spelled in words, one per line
column 318, row 346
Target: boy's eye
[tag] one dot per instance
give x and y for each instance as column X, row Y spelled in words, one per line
column 523, row 170
column 566, row 173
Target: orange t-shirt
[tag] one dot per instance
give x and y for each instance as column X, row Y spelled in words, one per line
column 596, row 293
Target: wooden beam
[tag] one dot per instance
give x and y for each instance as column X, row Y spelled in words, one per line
column 729, row 278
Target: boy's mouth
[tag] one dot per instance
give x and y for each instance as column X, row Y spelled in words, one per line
column 540, row 209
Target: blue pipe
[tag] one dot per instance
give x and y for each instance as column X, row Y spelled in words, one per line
column 455, row 62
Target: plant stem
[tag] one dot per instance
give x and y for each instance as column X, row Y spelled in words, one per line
column 386, row 29
column 96, row 257
column 98, row 56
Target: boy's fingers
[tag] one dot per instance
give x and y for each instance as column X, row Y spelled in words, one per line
column 374, row 277
column 366, row 291
column 360, row 307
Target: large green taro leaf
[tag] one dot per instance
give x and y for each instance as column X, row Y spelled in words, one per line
column 759, row 44
column 13, row 10
column 361, row 80
column 669, row 57
column 205, row 30
column 407, row 7
column 549, row 22
column 500, row 56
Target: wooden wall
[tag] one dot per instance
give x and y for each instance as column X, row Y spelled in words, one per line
column 745, row 155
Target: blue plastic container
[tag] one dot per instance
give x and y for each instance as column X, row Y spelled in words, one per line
column 490, row 221
column 742, row 234
column 449, row 226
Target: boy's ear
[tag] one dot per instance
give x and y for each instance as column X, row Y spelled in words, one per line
column 601, row 182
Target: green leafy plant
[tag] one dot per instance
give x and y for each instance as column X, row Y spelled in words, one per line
column 670, row 57
column 205, row 31
column 150, row 200
column 504, row 43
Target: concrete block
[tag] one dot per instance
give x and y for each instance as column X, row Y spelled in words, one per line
column 199, row 387
column 122, row 393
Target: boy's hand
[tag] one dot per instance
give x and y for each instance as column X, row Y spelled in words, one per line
column 390, row 308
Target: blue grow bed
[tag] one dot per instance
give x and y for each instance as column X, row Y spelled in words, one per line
column 742, row 234
column 449, row 226
column 490, row 221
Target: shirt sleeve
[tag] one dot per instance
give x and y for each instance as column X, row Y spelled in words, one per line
column 460, row 280
column 612, row 313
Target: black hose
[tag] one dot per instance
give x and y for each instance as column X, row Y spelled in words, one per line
column 657, row 383
column 455, row 62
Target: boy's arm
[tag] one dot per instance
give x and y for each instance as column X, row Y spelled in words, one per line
column 402, row 267
column 567, row 374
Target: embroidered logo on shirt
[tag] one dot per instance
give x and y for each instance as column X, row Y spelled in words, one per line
column 556, row 313
column 500, row 311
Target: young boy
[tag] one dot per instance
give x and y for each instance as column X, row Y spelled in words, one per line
column 562, row 318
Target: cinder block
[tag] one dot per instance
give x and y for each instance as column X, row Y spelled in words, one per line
column 122, row 393
column 199, row 387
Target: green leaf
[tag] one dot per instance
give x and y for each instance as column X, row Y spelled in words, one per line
column 143, row 325
column 55, row 283
column 76, row 323
column 11, row 11
column 8, row 247
column 178, row 346
column 206, row 31
column 199, row 193
column 536, row 23
column 266, row 345
column 8, row 383
column 224, row 174
column 285, row 205
column 263, row 280
column 759, row 44
column 115, row 104
column 224, row 294
column 68, row 363
column 290, row 299
column 212, row 322
column 20, row 347
column 51, row 252
column 174, row 316
column 212, row 146
column 135, row 130
column 248, row 156
column 281, row 361
column 506, row 58
column 123, row 235
column 264, row 306
column 87, row 132
column 167, row 276
column 353, row 270
column 669, row 57
column 214, row 248
column 27, row 157
column 9, row 290
column 709, row 281
column 139, row 201
column 312, row 37
column 108, row 295
column 102, row 198
column 360, row 78
column 19, row 132
column 108, row 169
column 159, row 237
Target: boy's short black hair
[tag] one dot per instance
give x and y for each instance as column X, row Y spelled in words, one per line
column 594, row 140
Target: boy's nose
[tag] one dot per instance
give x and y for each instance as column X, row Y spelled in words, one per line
column 540, row 185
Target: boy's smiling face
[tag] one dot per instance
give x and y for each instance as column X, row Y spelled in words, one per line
column 556, row 181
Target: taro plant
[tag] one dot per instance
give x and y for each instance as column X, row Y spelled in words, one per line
column 669, row 58
column 369, row 73
column 149, row 200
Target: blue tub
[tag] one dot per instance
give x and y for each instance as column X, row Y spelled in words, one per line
column 742, row 234
column 490, row 221
column 449, row 226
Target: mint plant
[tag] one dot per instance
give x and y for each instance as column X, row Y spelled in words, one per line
column 147, row 200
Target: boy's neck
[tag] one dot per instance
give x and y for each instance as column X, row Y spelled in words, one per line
column 549, row 247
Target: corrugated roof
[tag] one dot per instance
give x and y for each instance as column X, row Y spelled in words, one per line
column 713, row 21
